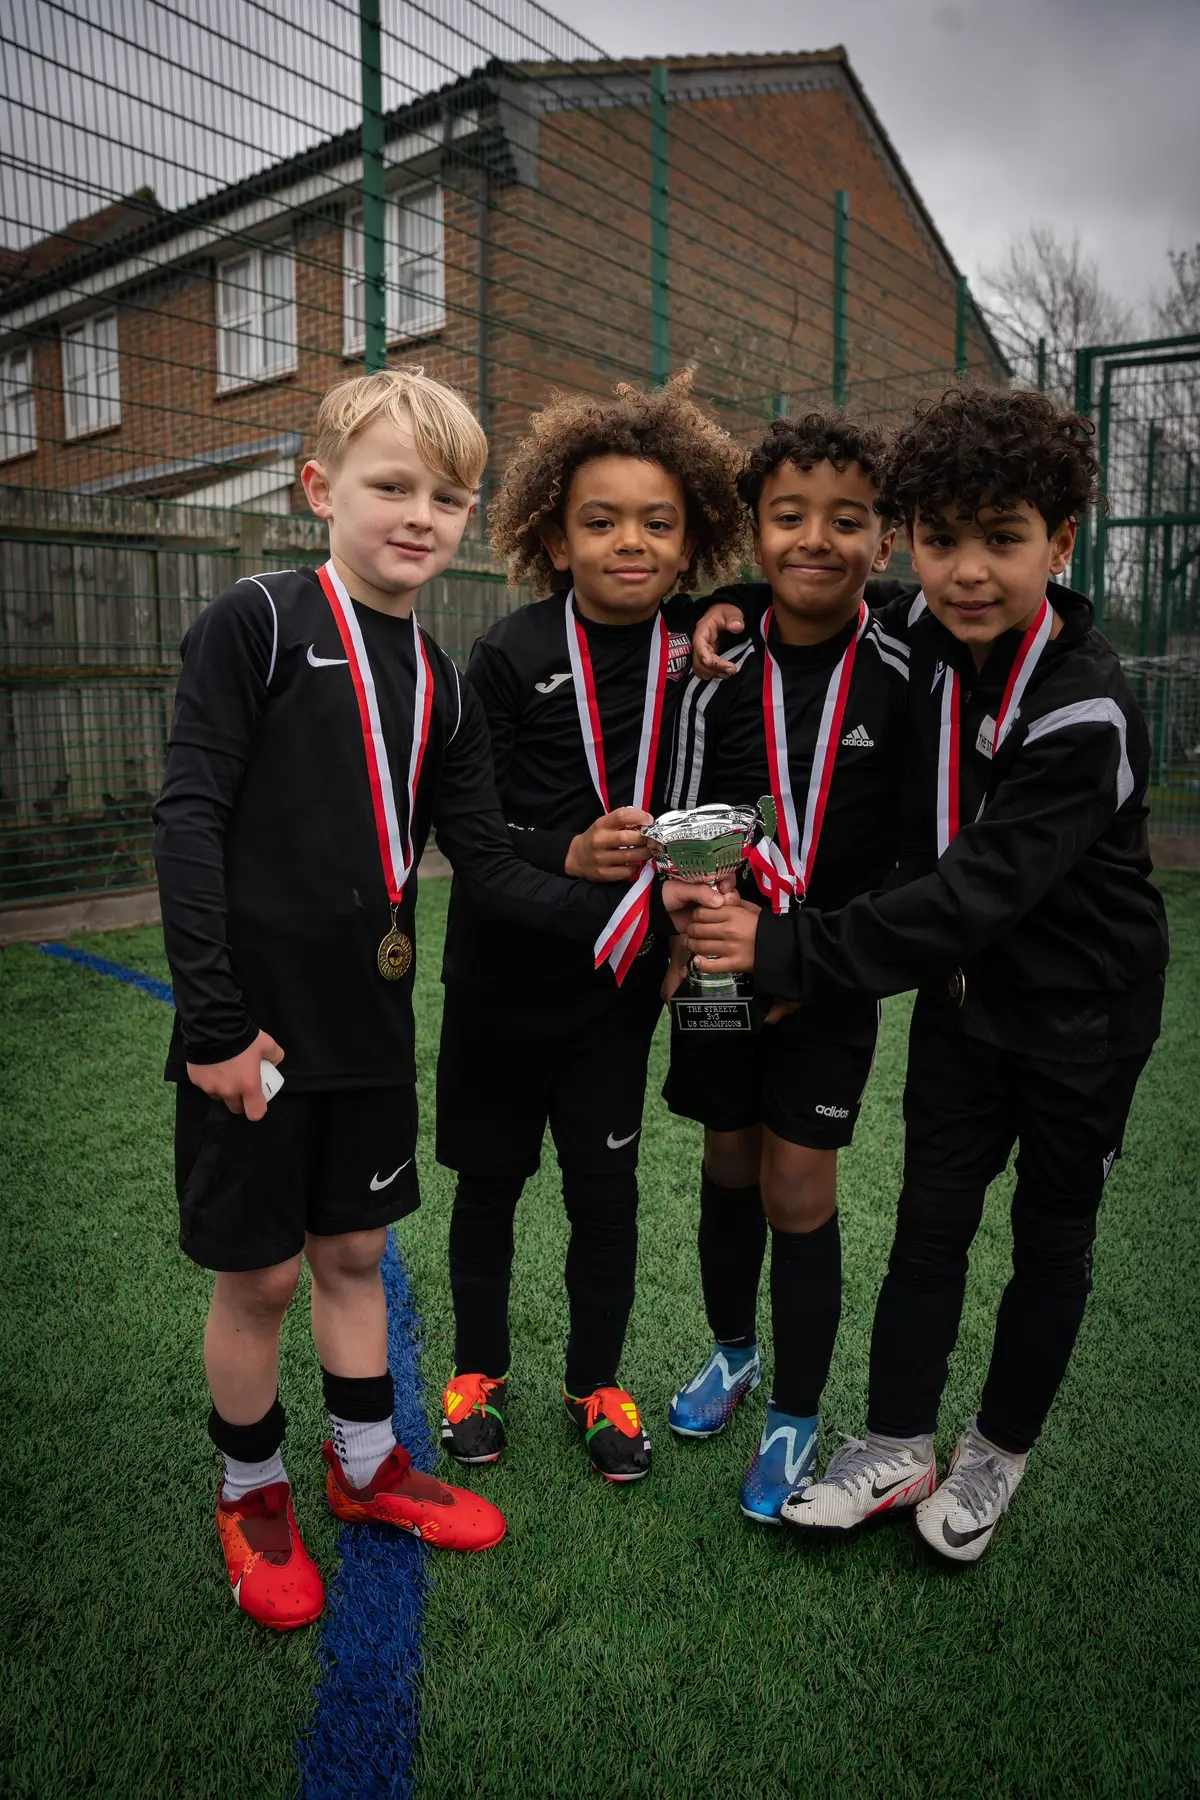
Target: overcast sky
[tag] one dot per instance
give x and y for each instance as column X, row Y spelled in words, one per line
column 1082, row 114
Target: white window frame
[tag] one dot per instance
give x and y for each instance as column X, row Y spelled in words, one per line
column 414, row 274
column 242, row 308
column 16, row 391
column 91, row 376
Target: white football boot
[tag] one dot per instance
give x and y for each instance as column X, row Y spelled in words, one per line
column 866, row 1477
column 959, row 1519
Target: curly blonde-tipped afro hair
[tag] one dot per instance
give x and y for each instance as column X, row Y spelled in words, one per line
column 665, row 426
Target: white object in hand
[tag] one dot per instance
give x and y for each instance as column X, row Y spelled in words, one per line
column 271, row 1079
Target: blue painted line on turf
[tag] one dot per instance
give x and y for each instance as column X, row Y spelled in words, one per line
column 364, row 1732
column 100, row 965
column 363, row 1735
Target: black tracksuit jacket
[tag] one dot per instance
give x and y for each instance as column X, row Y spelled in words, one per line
column 1042, row 902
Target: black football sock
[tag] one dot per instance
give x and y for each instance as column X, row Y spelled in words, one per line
column 481, row 1253
column 1035, row 1335
column 360, row 1419
column 806, row 1307
column 732, row 1241
column 252, row 1453
column 601, row 1273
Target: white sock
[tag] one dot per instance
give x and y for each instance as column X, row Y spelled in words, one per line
column 241, row 1478
column 361, row 1448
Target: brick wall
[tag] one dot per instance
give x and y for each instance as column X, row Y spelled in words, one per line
column 568, row 290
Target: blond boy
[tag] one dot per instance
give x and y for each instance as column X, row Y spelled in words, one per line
column 318, row 735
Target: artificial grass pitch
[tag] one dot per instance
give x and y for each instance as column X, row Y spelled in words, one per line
column 641, row 1642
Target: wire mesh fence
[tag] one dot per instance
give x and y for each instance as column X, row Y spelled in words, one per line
column 1140, row 553
column 213, row 209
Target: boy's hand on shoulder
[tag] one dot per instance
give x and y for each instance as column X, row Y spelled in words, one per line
column 723, row 937
column 612, row 849
column 706, row 662
column 238, row 1082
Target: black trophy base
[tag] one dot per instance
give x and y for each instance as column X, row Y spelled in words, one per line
column 697, row 1013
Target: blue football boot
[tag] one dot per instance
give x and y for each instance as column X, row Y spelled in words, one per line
column 784, row 1462
column 705, row 1406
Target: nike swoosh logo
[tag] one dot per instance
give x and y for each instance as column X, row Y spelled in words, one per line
column 554, row 681
column 323, row 662
column 620, row 1143
column 956, row 1539
column 879, row 1492
column 376, row 1184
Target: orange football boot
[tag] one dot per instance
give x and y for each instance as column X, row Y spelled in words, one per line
column 612, row 1429
column 397, row 1494
column 273, row 1577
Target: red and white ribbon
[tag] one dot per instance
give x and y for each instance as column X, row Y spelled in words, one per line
column 1033, row 642
column 395, row 841
column 783, row 867
column 622, row 937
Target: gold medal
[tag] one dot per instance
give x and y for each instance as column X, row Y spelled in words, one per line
column 395, row 953
column 647, row 944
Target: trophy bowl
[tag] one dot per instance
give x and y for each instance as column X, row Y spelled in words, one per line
column 700, row 845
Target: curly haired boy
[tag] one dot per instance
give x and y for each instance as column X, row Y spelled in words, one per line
column 612, row 509
column 1028, row 925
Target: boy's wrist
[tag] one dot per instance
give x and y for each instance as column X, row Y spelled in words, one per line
column 777, row 968
column 202, row 1050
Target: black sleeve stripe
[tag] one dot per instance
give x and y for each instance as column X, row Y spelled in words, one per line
column 897, row 645
column 687, row 772
column 886, row 656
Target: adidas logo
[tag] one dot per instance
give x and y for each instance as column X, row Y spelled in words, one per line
column 858, row 739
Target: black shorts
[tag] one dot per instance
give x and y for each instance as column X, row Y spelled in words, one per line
column 506, row 1069
column 803, row 1078
column 967, row 1103
column 326, row 1163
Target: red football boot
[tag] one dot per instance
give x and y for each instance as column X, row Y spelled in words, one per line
column 397, row 1494
column 273, row 1577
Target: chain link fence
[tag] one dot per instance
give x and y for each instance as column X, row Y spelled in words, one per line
column 213, row 209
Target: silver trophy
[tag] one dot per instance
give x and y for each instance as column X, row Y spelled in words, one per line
column 703, row 844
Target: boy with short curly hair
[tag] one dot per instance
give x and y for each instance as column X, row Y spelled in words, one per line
column 813, row 716
column 1029, row 927
column 611, row 509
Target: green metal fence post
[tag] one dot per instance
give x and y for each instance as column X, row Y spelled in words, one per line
column 779, row 406
column 374, row 292
column 1041, row 365
column 961, row 301
column 1101, row 546
column 1147, row 509
column 841, row 292
column 1081, row 571
column 660, row 143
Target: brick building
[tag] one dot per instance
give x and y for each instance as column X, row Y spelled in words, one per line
column 153, row 354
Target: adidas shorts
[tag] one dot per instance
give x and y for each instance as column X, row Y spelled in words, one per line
column 803, row 1078
column 326, row 1163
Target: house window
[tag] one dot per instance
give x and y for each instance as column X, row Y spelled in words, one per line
column 413, row 269
column 256, row 317
column 91, row 376
column 18, row 427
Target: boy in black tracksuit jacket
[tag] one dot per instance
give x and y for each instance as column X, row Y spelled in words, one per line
column 1030, row 928
column 815, row 717
column 605, row 506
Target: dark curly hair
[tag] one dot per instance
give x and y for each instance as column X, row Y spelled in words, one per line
column 983, row 446
column 832, row 437
column 665, row 426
